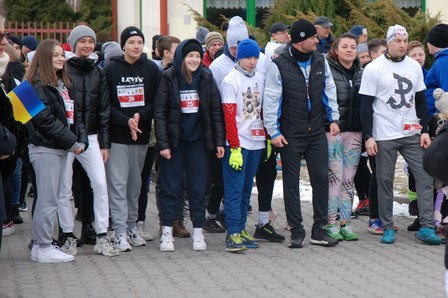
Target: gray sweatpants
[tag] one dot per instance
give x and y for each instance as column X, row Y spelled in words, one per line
column 123, row 173
column 409, row 148
column 49, row 166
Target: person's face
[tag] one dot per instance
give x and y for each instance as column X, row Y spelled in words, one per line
column 192, row 61
column 58, row 58
column 375, row 54
column 4, row 40
column 322, row 32
column 363, row 38
column 418, row 54
column 133, row 48
column 25, row 50
column 281, row 36
column 398, row 46
column 17, row 49
column 248, row 64
column 169, row 55
column 214, row 47
column 432, row 49
column 364, row 57
column 346, row 50
column 233, row 51
column 308, row 45
column 85, row 47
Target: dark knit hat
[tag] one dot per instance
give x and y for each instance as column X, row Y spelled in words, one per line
column 15, row 39
column 357, row 30
column 201, row 34
column 129, row 32
column 30, row 42
column 79, row 32
column 248, row 48
column 192, row 45
column 438, row 36
column 301, row 30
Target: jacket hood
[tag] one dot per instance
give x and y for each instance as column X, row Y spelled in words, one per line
column 178, row 57
column 69, row 55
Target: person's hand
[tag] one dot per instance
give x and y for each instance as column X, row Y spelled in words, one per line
column 236, row 159
column 220, row 152
column 279, row 141
column 165, row 153
column 133, row 126
column 334, row 129
column 78, row 150
column 105, row 154
column 425, row 140
column 371, row 147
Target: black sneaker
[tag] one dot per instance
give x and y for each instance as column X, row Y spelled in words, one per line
column 211, row 225
column 23, row 207
column 63, row 238
column 320, row 237
column 297, row 238
column 415, row 226
column 88, row 235
column 221, row 219
column 268, row 232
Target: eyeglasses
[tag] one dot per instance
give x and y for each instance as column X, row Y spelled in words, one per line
column 4, row 34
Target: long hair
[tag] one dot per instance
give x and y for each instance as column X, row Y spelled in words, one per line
column 42, row 65
column 334, row 46
column 186, row 73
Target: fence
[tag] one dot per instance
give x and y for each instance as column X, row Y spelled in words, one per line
column 42, row 30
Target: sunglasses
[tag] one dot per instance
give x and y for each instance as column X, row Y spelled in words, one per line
column 4, row 34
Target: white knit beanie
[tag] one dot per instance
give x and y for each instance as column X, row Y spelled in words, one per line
column 236, row 32
column 79, row 32
column 441, row 101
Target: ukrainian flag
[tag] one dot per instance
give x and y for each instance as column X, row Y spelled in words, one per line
column 25, row 102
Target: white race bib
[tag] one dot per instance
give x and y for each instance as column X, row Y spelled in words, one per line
column 131, row 96
column 189, row 101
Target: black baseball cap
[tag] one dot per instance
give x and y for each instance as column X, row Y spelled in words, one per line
column 278, row 27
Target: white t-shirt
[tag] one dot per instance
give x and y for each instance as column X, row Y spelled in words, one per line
column 246, row 93
column 393, row 84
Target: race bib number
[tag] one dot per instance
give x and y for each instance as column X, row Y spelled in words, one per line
column 411, row 126
column 69, row 106
column 189, row 101
column 131, row 96
column 257, row 131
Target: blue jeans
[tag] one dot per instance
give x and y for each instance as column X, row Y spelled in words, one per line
column 238, row 188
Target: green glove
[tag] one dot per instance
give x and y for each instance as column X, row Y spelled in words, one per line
column 236, row 159
column 268, row 149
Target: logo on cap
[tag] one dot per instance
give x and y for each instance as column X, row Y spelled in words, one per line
column 302, row 34
column 133, row 32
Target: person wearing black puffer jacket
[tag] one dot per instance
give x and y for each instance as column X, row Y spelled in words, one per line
column 53, row 132
column 132, row 81
column 344, row 149
column 89, row 87
column 189, row 123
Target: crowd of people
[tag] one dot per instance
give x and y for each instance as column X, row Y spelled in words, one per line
column 211, row 114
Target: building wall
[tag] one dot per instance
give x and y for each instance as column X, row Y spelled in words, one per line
column 433, row 7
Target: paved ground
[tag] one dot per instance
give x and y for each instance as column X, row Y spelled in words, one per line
column 364, row 268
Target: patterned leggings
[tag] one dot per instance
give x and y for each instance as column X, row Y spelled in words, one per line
column 344, row 151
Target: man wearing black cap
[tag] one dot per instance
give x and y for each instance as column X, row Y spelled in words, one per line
column 294, row 108
column 323, row 27
column 437, row 76
column 279, row 36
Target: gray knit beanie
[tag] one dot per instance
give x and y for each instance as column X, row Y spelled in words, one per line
column 79, row 32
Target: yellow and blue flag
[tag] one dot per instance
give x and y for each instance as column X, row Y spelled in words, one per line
column 25, row 102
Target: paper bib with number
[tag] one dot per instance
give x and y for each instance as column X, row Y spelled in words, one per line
column 131, row 96
column 257, row 131
column 411, row 126
column 189, row 101
column 70, row 111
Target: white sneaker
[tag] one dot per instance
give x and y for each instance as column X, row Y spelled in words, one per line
column 8, row 229
column 167, row 242
column 199, row 242
column 52, row 254
column 103, row 246
column 121, row 243
column 34, row 251
column 69, row 246
column 143, row 231
column 134, row 237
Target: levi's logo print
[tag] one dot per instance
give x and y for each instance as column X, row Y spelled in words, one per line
column 189, row 101
column 132, row 94
column 401, row 97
